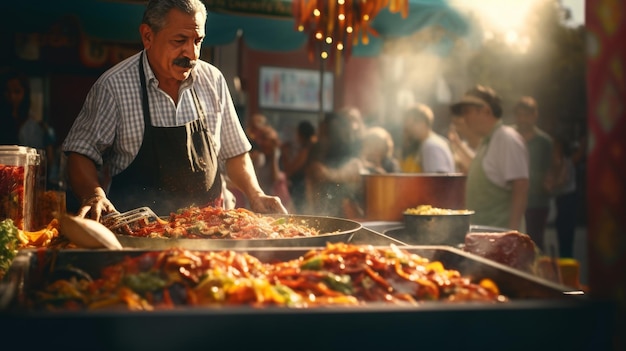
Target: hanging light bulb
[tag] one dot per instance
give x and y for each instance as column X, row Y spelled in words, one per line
column 344, row 22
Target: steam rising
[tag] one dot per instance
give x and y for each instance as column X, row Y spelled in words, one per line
column 435, row 66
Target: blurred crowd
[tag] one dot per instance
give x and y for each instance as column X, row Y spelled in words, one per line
column 319, row 169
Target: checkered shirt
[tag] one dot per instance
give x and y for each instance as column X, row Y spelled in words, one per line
column 109, row 128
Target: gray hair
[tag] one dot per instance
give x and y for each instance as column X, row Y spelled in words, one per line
column 157, row 10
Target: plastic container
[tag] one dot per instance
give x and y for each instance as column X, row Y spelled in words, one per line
column 20, row 185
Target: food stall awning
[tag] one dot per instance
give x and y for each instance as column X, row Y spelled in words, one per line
column 274, row 30
column 265, row 25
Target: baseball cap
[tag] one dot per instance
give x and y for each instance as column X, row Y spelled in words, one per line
column 479, row 96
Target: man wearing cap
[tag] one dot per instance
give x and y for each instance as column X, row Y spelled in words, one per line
column 497, row 180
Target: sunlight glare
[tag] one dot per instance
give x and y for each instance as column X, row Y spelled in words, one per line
column 498, row 14
column 511, row 37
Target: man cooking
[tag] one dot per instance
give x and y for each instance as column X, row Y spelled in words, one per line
column 497, row 180
column 155, row 128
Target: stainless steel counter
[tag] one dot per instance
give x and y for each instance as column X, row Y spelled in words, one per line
column 537, row 324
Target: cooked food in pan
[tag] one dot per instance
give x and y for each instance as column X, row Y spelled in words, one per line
column 434, row 211
column 339, row 274
column 218, row 223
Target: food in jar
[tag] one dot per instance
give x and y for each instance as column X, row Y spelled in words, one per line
column 12, row 193
column 510, row 248
column 217, row 223
column 339, row 274
column 434, row 211
column 20, row 172
column 52, row 205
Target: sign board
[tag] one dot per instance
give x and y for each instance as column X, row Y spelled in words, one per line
column 294, row 89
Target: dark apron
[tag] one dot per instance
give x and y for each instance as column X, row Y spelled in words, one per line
column 167, row 173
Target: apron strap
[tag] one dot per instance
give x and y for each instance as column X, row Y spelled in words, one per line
column 144, row 92
column 190, row 174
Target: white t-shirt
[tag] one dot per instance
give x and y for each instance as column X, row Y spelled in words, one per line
column 436, row 156
column 506, row 158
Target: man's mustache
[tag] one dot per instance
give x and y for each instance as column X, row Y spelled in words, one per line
column 184, row 62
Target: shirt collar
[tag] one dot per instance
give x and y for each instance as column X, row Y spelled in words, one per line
column 152, row 79
column 487, row 138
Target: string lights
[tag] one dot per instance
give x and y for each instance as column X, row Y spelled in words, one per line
column 334, row 26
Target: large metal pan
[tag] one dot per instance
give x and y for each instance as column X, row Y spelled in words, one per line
column 331, row 230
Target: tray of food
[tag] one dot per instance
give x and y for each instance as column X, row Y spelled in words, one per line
column 206, row 228
column 335, row 275
column 193, row 228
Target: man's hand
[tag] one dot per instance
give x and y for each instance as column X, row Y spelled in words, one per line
column 267, row 204
column 84, row 181
column 241, row 172
column 95, row 206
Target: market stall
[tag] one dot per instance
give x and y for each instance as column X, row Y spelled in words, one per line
column 346, row 292
column 535, row 312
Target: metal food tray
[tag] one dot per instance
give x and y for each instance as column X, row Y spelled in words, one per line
column 331, row 230
column 31, row 269
column 540, row 315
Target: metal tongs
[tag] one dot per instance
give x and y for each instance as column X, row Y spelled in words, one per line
column 116, row 220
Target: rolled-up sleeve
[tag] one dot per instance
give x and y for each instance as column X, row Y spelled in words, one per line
column 234, row 141
column 93, row 130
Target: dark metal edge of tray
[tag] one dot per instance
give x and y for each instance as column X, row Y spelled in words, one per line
column 525, row 276
column 527, row 286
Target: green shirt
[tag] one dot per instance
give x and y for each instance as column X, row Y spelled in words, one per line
column 490, row 202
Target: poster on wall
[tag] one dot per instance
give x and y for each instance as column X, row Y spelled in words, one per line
column 294, row 89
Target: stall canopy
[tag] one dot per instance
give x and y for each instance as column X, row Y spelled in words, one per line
column 264, row 25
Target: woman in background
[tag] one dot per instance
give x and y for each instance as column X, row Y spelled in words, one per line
column 294, row 160
column 333, row 177
column 377, row 151
column 18, row 125
column 15, row 107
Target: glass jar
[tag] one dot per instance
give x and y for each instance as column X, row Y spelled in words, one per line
column 20, row 172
